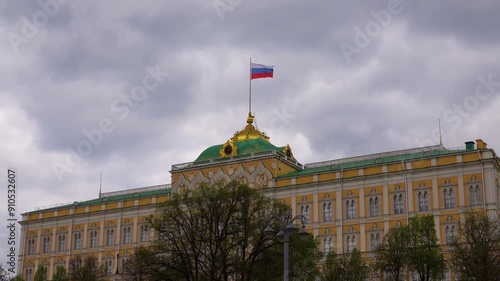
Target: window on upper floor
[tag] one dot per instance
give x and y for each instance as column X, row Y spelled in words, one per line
column 449, row 198
column 46, row 244
column 350, row 209
column 474, row 195
column 328, row 211
column 110, row 237
column 62, row 242
column 398, row 202
column 327, row 245
column 305, row 210
column 126, row 234
column 93, row 238
column 31, row 246
column 423, row 201
column 78, row 241
column 374, row 206
column 144, row 233
column 352, row 243
column 450, row 232
column 375, row 241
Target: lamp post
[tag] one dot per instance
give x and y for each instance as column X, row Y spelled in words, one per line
column 286, row 229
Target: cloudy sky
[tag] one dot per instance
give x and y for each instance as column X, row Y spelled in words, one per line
column 128, row 88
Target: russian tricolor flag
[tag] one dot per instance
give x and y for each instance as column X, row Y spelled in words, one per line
column 261, row 71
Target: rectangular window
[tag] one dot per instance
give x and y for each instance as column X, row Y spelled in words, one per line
column 423, row 201
column 46, row 244
column 110, row 237
column 374, row 207
column 474, row 195
column 108, row 266
column 78, row 241
column 398, row 201
column 31, row 246
column 126, row 235
column 351, row 209
column 62, row 242
column 93, row 239
column 328, row 211
column 327, row 245
column 374, row 241
column 305, row 210
column 144, row 233
column 352, row 243
column 449, row 198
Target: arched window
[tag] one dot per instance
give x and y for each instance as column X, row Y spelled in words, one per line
column 31, row 246
column 110, row 237
column 62, row 242
column 474, row 195
column 327, row 245
column 398, row 204
column 351, row 209
column 46, row 244
column 78, row 241
column 374, row 207
column 327, row 211
column 449, row 198
column 126, row 235
column 423, row 201
column 144, row 233
column 93, row 238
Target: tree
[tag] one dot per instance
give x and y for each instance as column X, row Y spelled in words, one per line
column 85, row 270
column 475, row 250
column 3, row 274
column 391, row 255
column 140, row 266
column 424, row 253
column 17, row 278
column 41, row 273
column 344, row 267
column 215, row 232
column 61, row 274
column 331, row 270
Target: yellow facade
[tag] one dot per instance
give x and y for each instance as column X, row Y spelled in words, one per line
column 349, row 203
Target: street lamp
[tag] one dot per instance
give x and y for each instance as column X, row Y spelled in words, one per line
column 286, row 229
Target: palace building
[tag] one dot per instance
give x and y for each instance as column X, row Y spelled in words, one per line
column 348, row 203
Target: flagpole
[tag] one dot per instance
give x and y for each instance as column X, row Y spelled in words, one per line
column 250, row 89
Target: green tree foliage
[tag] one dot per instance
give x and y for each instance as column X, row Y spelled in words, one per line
column 141, row 265
column 85, row 270
column 3, row 274
column 476, row 249
column 424, row 252
column 391, row 255
column 41, row 274
column 339, row 267
column 215, row 232
column 17, row 278
column 61, row 274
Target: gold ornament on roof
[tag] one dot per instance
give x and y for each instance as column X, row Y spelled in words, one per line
column 228, row 149
column 288, row 151
column 250, row 132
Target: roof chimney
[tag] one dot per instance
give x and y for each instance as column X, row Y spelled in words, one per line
column 469, row 145
column 480, row 144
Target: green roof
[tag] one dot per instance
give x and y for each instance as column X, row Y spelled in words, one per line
column 113, row 198
column 370, row 161
column 243, row 147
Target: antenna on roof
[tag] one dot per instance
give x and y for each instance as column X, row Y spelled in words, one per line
column 440, row 136
column 100, row 187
